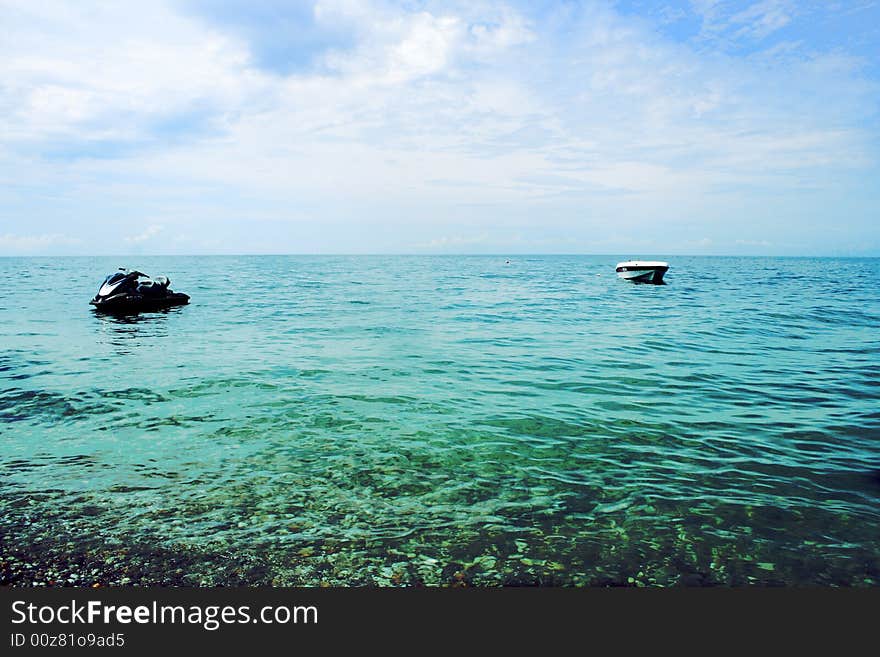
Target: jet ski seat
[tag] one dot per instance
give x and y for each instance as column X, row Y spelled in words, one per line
column 153, row 286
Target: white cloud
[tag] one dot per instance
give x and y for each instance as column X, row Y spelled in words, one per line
column 105, row 74
column 762, row 18
column 399, row 47
column 452, row 242
column 165, row 115
column 756, row 20
column 29, row 243
column 149, row 233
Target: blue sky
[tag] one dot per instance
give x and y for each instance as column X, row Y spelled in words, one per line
column 634, row 127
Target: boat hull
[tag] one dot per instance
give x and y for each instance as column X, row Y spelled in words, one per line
column 135, row 303
column 643, row 272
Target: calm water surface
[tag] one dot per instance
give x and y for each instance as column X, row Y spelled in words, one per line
column 402, row 420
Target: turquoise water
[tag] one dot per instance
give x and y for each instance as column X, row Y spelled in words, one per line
column 434, row 420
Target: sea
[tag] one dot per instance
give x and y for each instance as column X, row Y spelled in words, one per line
column 445, row 421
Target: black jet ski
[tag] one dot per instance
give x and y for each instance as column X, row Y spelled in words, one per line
column 133, row 291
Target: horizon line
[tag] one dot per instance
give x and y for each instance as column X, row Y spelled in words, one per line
column 429, row 255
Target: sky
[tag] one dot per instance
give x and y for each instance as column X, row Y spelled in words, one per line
column 340, row 126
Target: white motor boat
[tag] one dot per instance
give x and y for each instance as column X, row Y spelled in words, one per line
column 642, row 271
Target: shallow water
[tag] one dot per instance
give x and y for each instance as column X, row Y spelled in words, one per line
column 391, row 420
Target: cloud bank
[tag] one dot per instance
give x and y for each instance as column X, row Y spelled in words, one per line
column 342, row 126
